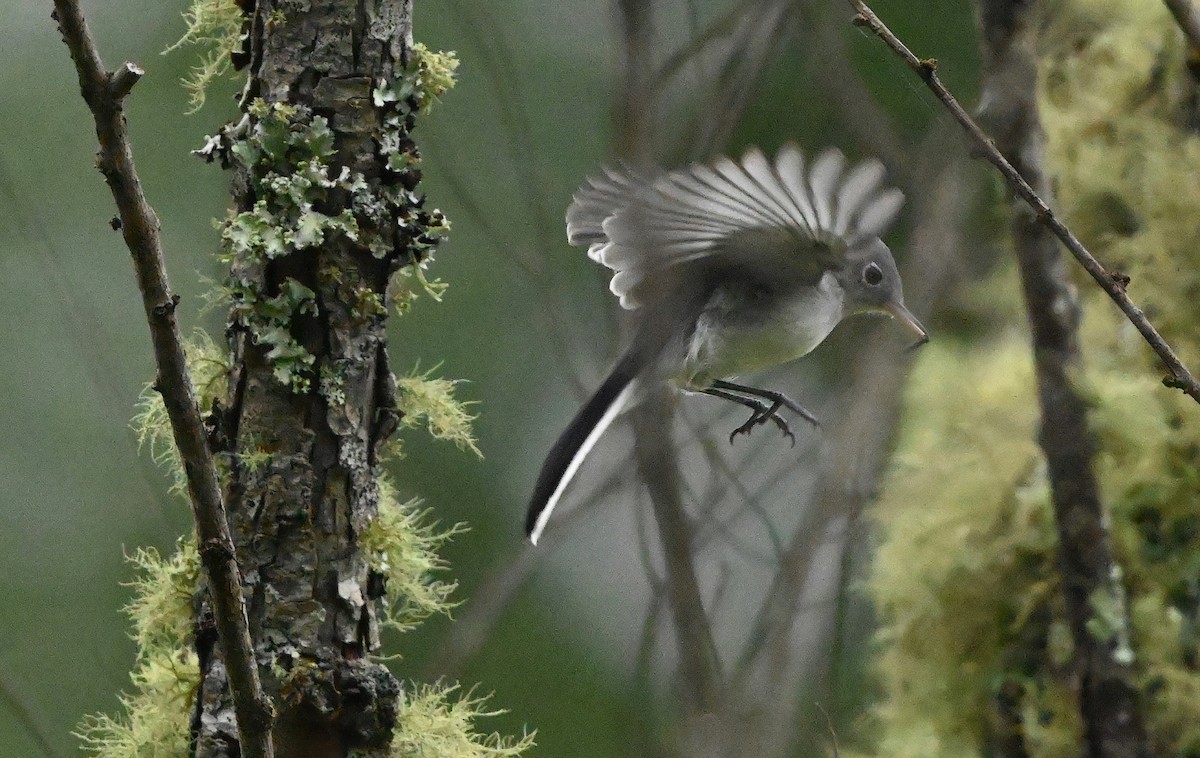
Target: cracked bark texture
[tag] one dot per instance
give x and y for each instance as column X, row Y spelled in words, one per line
column 297, row 519
column 1108, row 698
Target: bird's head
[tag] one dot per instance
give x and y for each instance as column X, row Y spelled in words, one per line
column 871, row 284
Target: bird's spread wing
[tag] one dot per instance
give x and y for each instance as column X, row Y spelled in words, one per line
column 752, row 212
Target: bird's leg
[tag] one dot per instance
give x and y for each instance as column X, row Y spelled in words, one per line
column 778, row 398
column 759, row 413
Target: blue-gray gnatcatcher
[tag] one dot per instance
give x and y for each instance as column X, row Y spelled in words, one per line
column 732, row 267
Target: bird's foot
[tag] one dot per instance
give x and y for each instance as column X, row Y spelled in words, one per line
column 759, row 414
column 760, row 410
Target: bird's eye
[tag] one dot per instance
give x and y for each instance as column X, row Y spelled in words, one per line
column 872, row 275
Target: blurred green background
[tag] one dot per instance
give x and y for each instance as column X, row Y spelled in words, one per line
column 527, row 323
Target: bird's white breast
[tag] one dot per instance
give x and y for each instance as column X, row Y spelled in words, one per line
column 736, row 335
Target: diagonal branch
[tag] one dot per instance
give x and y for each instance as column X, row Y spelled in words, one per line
column 103, row 91
column 1112, row 282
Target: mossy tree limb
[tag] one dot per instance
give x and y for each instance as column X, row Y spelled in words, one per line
column 326, row 211
column 1112, row 721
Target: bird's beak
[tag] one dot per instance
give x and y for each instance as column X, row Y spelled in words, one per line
column 902, row 314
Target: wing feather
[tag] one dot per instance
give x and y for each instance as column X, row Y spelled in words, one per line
column 763, row 203
column 878, row 214
column 826, row 170
column 789, row 164
column 786, row 213
column 758, row 168
column 861, row 182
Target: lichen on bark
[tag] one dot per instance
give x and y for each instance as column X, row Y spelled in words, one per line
column 327, row 208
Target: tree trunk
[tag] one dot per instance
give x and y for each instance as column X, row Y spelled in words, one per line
column 311, row 394
column 1090, row 574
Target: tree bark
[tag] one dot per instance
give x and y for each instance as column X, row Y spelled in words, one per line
column 297, row 518
column 1090, row 573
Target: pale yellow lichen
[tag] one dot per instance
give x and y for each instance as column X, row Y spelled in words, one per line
column 433, row 723
column 425, row 399
column 215, row 26
column 402, row 543
column 208, row 364
column 163, row 593
column 156, row 715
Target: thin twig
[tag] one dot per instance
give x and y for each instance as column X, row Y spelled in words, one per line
column 1111, row 282
column 737, row 78
column 103, row 92
column 1188, row 19
column 659, row 468
column 18, row 705
column 657, row 462
column 475, row 624
column 723, row 27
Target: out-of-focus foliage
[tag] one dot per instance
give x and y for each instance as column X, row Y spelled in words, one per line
column 965, row 577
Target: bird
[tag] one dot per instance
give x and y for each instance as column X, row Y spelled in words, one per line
column 729, row 267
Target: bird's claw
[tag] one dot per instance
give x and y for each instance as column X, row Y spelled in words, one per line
column 760, row 416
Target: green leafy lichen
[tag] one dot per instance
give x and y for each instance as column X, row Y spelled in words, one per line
column 287, row 155
column 286, row 152
column 269, row 320
column 427, row 78
column 410, row 281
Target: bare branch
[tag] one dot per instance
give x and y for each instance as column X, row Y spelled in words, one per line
column 1188, row 19
column 1108, row 696
column 18, row 705
column 1111, row 282
column 723, row 27
column 103, row 92
column 734, row 85
column 660, row 472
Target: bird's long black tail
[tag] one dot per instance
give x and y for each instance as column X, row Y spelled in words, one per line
column 577, row 440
